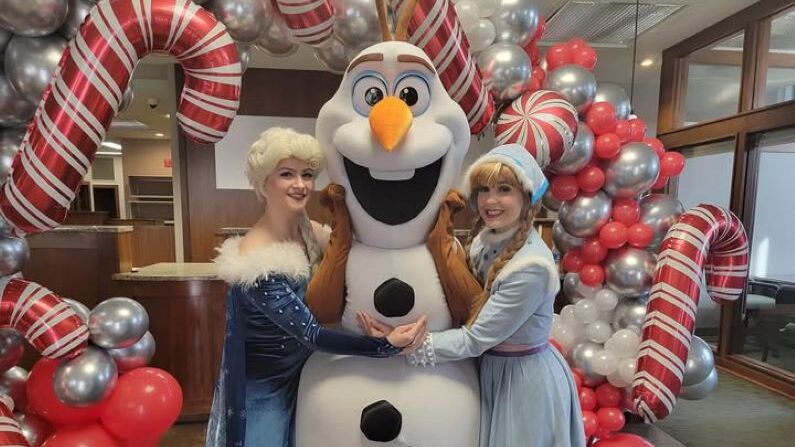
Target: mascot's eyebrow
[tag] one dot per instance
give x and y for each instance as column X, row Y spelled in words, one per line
column 416, row 59
column 378, row 57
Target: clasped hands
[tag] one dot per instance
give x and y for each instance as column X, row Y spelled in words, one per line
column 409, row 337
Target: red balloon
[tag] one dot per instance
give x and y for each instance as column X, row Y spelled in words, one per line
column 587, row 399
column 43, row 401
column 145, row 400
column 532, row 51
column 152, row 442
column 558, row 55
column 656, row 145
column 622, row 440
column 639, row 235
column 660, row 183
column 575, row 43
column 601, row 118
column 592, row 274
column 623, row 131
column 601, row 432
column 611, row 418
column 590, row 422
column 671, row 164
column 556, row 345
column 93, row 435
column 591, row 179
column 585, row 57
column 607, row 145
column 593, row 252
column 607, row 395
column 564, row 187
column 542, row 27
column 613, row 235
column 535, row 85
column 638, row 129
column 572, row 260
column 577, row 380
column 626, row 211
column 539, row 73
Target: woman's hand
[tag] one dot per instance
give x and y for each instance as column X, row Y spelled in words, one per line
column 408, row 336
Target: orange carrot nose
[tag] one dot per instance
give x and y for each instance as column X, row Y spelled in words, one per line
column 390, row 119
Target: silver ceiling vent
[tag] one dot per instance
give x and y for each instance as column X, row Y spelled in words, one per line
column 604, row 23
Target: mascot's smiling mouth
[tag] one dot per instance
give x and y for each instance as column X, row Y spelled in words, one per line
column 393, row 202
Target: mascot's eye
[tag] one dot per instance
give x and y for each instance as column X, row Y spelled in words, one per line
column 414, row 91
column 367, row 91
column 373, row 95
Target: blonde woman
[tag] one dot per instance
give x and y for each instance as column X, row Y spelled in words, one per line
column 269, row 331
column 528, row 394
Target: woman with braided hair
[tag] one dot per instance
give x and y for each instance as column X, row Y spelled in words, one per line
column 528, row 394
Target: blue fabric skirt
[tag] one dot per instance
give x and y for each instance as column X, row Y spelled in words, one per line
column 529, row 401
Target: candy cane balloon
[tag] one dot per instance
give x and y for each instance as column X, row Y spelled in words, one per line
column 10, row 432
column 310, row 21
column 88, row 86
column 705, row 238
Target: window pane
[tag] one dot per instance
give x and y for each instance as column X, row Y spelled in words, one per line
column 780, row 78
column 713, row 80
column 707, row 178
column 769, row 321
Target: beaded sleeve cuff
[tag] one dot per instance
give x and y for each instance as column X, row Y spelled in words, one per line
column 424, row 355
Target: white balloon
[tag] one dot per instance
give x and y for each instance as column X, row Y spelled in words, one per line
column 586, row 311
column 599, row 331
column 566, row 337
column 468, row 14
column 616, row 380
column 486, row 7
column 604, row 362
column 626, row 369
column 481, row 35
column 606, row 299
column 567, row 315
column 624, row 342
column 588, row 291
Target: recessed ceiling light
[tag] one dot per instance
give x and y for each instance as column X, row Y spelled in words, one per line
column 648, row 62
column 158, row 134
column 112, row 145
column 166, row 115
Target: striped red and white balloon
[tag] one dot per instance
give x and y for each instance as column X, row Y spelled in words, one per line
column 310, row 21
column 706, row 237
column 435, row 28
column 10, row 432
column 88, row 86
column 543, row 121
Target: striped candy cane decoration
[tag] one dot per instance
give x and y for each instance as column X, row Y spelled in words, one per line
column 10, row 432
column 87, row 88
column 435, row 28
column 708, row 238
column 310, row 21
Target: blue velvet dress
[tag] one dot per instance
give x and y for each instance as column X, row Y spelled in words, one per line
column 269, row 335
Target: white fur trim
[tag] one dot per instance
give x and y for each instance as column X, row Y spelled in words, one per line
column 322, row 233
column 525, row 262
column 282, row 258
column 492, row 238
column 522, row 176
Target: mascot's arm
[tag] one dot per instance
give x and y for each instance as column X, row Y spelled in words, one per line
column 324, row 295
column 459, row 284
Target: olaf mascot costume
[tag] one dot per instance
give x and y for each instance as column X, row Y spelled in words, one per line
column 395, row 141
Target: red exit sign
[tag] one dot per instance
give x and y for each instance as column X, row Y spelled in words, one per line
column 167, row 162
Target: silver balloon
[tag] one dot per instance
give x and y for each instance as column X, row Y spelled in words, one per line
column 550, row 202
column 86, row 379
column 7, row 156
column 634, row 170
column 5, row 36
column 11, row 348
column 578, row 155
column 629, row 270
column 616, row 96
column 136, row 355
column 30, row 61
column 571, row 282
column 34, row 429
column 700, row 362
column 577, row 84
column 584, row 215
column 506, row 70
column 33, row 18
column 15, row 109
column 659, row 212
column 563, row 240
column 78, row 10
column 126, row 99
column 356, row 22
column 244, row 19
column 13, row 383
column 335, row 56
column 117, row 323
column 702, row 389
column 630, row 313
column 80, row 309
column 515, row 21
column 14, row 254
column 275, row 39
column 244, row 52
column 581, row 357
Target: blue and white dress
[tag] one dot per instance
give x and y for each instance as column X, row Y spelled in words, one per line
column 269, row 335
column 528, row 395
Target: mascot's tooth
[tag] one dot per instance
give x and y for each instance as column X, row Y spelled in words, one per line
column 392, row 175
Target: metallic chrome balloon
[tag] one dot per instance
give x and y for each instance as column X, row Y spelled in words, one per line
column 334, row 55
column 13, row 383
column 660, row 212
column 581, row 357
column 15, row 109
column 481, row 35
column 127, row 99
column 563, row 240
column 80, row 309
column 700, row 362
column 356, row 22
column 244, row 19
column 515, row 21
column 7, row 155
column 78, row 10
column 136, row 355
column 34, row 429
column 629, row 270
column 32, row 18
column 14, row 254
column 615, row 95
column 577, row 84
column 578, row 155
column 570, row 282
column 506, row 70
column 584, row 215
column 630, row 314
column 550, row 202
column 11, row 348
column 117, row 323
column 30, row 61
column 86, row 379
column 701, row 389
column 634, row 170
column 275, row 39
column 5, row 36
column 245, row 54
